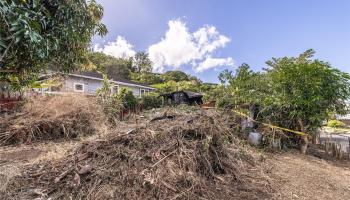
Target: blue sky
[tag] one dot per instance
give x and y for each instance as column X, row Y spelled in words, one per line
column 204, row 37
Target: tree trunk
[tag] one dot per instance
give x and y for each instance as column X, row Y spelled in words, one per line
column 304, row 140
column 316, row 137
column 304, row 143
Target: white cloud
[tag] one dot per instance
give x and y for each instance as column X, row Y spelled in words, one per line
column 180, row 47
column 121, row 48
column 209, row 39
column 210, row 62
column 175, row 49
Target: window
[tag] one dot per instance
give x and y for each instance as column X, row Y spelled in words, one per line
column 115, row 89
column 142, row 92
column 78, row 87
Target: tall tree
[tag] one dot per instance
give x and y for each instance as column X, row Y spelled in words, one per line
column 297, row 93
column 114, row 67
column 118, row 68
column 142, row 63
column 244, row 86
column 36, row 33
column 304, row 91
column 225, row 76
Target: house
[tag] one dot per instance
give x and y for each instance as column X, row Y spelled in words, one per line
column 88, row 82
column 345, row 119
column 183, row 97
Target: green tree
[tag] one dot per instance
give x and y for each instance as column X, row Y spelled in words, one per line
column 172, row 86
column 98, row 59
column 35, row 34
column 244, row 86
column 127, row 97
column 175, row 76
column 118, row 68
column 109, row 101
column 304, row 92
column 142, row 69
column 142, row 63
column 166, row 87
column 294, row 93
column 212, row 91
column 148, row 78
column 114, row 67
column 225, row 76
column 151, row 100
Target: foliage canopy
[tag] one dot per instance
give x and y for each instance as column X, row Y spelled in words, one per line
column 35, row 34
column 114, row 67
column 305, row 91
column 296, row 93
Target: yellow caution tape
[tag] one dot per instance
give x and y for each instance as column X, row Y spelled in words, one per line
column 270, row 125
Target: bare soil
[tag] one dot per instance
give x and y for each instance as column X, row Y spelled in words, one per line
column 307, row 177
column 21, row 155
column 16, row 159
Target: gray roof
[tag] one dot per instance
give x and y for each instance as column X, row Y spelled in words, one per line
column 96, row 75
column 192, row 94
column 343, row 117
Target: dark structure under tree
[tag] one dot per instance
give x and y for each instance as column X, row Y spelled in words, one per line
column 183, row 97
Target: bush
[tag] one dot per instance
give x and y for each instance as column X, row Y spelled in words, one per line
column 225, row 102
column 128, row 99
column 151, row 100
column 335, row 124
column 212, row 92
column 110, row 102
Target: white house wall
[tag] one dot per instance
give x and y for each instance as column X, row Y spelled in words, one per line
column 91, row 85
column 134, row 90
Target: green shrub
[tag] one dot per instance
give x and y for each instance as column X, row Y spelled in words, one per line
column 225, row 102
column 127, row 97
column 151, row 100
column 110, row 102
column 335, row 124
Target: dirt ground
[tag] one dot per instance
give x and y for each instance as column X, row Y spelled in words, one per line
column 15, row 159
column 308, row 177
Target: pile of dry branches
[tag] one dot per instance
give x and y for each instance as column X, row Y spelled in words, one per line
column 181, row 156
column 48, row 118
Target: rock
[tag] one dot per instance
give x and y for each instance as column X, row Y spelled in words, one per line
column 254, row 138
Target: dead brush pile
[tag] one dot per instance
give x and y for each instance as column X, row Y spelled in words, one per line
column 48, row 118
column 181, row 156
